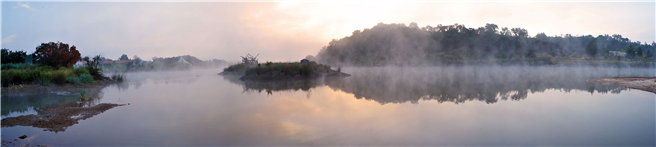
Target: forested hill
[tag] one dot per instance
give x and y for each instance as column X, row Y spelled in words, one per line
column 398, row 44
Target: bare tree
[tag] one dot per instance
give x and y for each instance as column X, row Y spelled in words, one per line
column 249, row 60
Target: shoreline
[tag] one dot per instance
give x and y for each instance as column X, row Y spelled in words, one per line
column 640, row 83
column 20, row 88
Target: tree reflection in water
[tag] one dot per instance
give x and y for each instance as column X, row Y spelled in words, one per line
column 456, row 84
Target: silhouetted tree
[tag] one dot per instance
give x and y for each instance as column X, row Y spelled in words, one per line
column 56, row 54
column 92, row 66
column 591, row 48
column 135, row 57
column 13, row 56
column 630, row 51
column 123, row 57
column 648, row 53
column 639, row 51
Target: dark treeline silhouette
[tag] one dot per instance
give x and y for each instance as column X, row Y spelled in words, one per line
column 9, row 56
column 398, row 44
column 459, row 84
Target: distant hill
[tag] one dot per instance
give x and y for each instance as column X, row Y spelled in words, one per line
column 398, row 44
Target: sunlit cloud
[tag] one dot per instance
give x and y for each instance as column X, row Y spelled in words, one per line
column 24, row 5
column 8, row 39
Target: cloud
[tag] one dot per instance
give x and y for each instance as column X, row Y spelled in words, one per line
column 8, row 39
column 25, row 5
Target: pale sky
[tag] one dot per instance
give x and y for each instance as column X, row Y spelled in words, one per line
column 287, row 31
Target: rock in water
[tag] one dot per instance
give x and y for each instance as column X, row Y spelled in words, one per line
column 23, row 137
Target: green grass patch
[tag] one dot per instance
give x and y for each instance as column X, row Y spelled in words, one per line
column 29, row 73
column 286, row 69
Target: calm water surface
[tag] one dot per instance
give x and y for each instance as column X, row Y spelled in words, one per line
column 375, row 106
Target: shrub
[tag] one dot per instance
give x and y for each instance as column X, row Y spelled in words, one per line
column 74, row 80
column 86, row 78
column 44, row 78
column 8, row 76
column 60, row 77
column 28, row 75
column 236, row 67
column 5, row 78
column 80, row 71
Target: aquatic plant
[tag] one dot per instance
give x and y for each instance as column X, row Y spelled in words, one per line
column 83, row 95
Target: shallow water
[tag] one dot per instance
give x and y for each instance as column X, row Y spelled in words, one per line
column 375, row 106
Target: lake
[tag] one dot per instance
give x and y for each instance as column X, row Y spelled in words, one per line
column 471, row 105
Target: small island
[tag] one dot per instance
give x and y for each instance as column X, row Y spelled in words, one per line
column 251, row 70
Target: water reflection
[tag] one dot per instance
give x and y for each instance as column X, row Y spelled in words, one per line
column 21, row 102
column 52, row 110
column 276, row 86
column 455, row 84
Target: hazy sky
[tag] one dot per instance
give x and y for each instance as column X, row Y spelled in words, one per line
column 287, row 31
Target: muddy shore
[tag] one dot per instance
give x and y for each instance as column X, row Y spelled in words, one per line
column 58, row 119
column 641, row 83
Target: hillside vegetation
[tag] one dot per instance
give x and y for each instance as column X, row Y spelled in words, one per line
column 398, row 44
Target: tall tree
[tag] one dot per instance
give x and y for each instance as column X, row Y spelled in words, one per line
column 56, row 54
column 630, row 51
column 591, row 48
column 648, row 53
column 639, row 51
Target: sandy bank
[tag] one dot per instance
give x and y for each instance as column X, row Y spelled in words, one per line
column 640, row 83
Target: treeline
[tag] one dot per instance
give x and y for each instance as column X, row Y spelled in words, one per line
column 398, row 44
column 51, row 63
column 9, row 56
column 161, row 63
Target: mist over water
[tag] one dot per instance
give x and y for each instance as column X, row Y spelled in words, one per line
column 458, row 105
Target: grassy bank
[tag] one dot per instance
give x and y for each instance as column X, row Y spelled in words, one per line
column 287, row 69
column 34, row 74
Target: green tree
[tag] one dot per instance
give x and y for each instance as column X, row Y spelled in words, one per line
column 648, row 53
column 591, row 48
column 639, row 51
column 630, row 51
